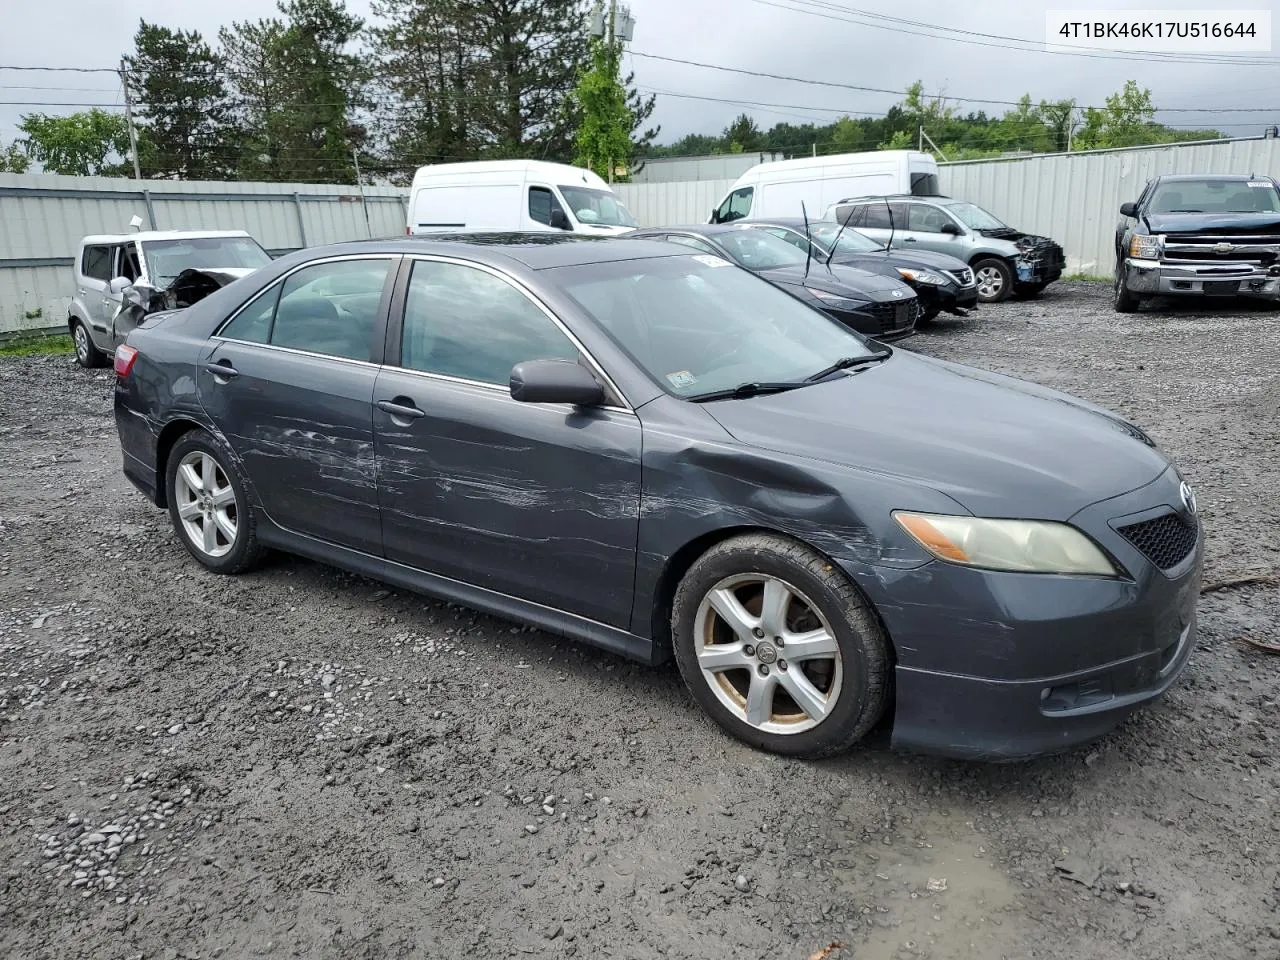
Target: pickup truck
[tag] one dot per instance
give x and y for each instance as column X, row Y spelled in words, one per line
column 1199, row 235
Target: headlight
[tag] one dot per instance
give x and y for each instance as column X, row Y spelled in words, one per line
column 837, row 302
column 921, row 276
column 1026, row 546
column 1146, row 248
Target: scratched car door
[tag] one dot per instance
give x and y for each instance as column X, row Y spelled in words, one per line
column 536, row 501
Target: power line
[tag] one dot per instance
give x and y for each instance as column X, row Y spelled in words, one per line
column 898, row 93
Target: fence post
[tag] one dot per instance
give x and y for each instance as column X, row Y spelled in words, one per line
column 151, row 210
column 302, row 227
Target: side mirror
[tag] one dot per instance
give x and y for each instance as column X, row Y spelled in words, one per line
column 950, row 229
column 715, row 215
column 1128, row 209
column 560, row 219
column 118, row 285
column 555, row 381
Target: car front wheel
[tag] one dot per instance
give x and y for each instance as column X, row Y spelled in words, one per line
column 208, row 505
column 779, row 647
column 1124, row 302
column 994, row 278
column 87, row 353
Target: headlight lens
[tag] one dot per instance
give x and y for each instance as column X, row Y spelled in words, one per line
column 1025, row 546
column 835, row 301
column 1146, row 247
column 921, row 276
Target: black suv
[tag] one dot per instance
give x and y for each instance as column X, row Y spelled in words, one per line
column 1199, row 235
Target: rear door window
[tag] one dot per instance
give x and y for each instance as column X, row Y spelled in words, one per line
column 329, row 308
column 96, row 263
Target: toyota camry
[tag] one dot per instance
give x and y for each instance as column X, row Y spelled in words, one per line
column 655, row 451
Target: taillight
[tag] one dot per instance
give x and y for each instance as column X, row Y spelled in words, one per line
column 125, row 356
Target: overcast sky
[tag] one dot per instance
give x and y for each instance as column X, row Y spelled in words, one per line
column 753, row 34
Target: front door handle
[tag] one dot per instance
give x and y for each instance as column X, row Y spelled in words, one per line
column 222, row 369
column 908, row 239
column 401, row 407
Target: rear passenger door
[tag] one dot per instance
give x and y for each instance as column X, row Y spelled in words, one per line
column 288, row 380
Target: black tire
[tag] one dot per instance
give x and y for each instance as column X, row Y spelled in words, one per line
column 1122, row 299
column 1004, row 289
column 927, row 316
column 1027, row 291
column 87, row 353
column 854, row 704
column 244, row 550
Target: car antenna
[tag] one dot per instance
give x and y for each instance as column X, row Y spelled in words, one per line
column 888, row 206
column 808, row 244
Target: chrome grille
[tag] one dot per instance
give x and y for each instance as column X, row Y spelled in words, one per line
column 963, row 277
column 1258, row 249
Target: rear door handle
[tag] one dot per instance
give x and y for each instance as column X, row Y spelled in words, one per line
column 401, row 407
column 223, row 369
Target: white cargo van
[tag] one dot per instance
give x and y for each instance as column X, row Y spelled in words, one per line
column 778, row 189
column 519, row 195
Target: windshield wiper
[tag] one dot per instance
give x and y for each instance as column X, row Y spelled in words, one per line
column 844, row 363
column 744, row 390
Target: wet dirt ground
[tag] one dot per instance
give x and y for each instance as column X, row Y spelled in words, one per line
column 301, row 763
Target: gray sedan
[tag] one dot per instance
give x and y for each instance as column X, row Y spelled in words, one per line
column 662, row 454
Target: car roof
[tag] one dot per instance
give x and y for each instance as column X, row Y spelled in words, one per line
column 145, row 235
column 1224, row 177
column 537, row 251
column 706, row 229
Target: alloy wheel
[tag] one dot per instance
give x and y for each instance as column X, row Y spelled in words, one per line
column 767, row 653
column 206, row 504
column 81, row 337
column 990, row 282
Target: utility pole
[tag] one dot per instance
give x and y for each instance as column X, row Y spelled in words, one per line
column 606, row 25
column 920, row 138
column 128, row 119
column 368, row 227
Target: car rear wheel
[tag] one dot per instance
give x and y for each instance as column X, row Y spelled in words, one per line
column 208, row 506
column 994, row 278
column 87, row 353
column 779, row 647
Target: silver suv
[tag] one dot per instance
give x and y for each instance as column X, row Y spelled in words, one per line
column 1004, row 260
column 109, row 265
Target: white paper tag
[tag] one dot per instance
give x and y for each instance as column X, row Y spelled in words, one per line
column 709, row 260
column 681, row 378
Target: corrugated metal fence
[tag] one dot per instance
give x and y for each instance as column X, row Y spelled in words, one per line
column 43, row 218
column 1074, row 198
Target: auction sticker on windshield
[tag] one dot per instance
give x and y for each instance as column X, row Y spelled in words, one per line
column 711, row 261
column 681, row 379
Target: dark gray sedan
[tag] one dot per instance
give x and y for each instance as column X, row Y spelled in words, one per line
column 660, row 453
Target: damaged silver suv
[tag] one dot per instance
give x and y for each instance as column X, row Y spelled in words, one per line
column 121, row 278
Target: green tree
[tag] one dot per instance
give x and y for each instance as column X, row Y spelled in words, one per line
column 184, row 105
column 13, row 159
column 603, row 138
column 741, row 136
column 1127, row 120
column 256, row 72
column 1060, row 117
column 90, row 144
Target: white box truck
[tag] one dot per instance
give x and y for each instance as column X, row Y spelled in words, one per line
column 514, row 195
column 778, row 189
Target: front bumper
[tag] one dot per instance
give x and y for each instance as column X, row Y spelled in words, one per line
column 949, row 297
column 1006, row 666
column 1228, row 279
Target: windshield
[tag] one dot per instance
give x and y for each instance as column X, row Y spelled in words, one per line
column 757, row 250
column 168, row 258
column 697, row 324
column 974, row 216
column 851, row 241
column 597, row 207
column 1215, row 196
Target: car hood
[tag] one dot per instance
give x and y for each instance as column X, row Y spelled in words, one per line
column 1213, row 222
column 1000, row 447
column 841, row 280
column 920, row 259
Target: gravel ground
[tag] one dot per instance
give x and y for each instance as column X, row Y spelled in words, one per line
column 302, row 763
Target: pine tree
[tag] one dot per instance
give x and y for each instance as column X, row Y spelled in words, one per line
column 183, row 104
column 255, row 69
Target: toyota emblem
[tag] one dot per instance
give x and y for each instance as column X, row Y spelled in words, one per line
column 897, row 293
column 1188, row 498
